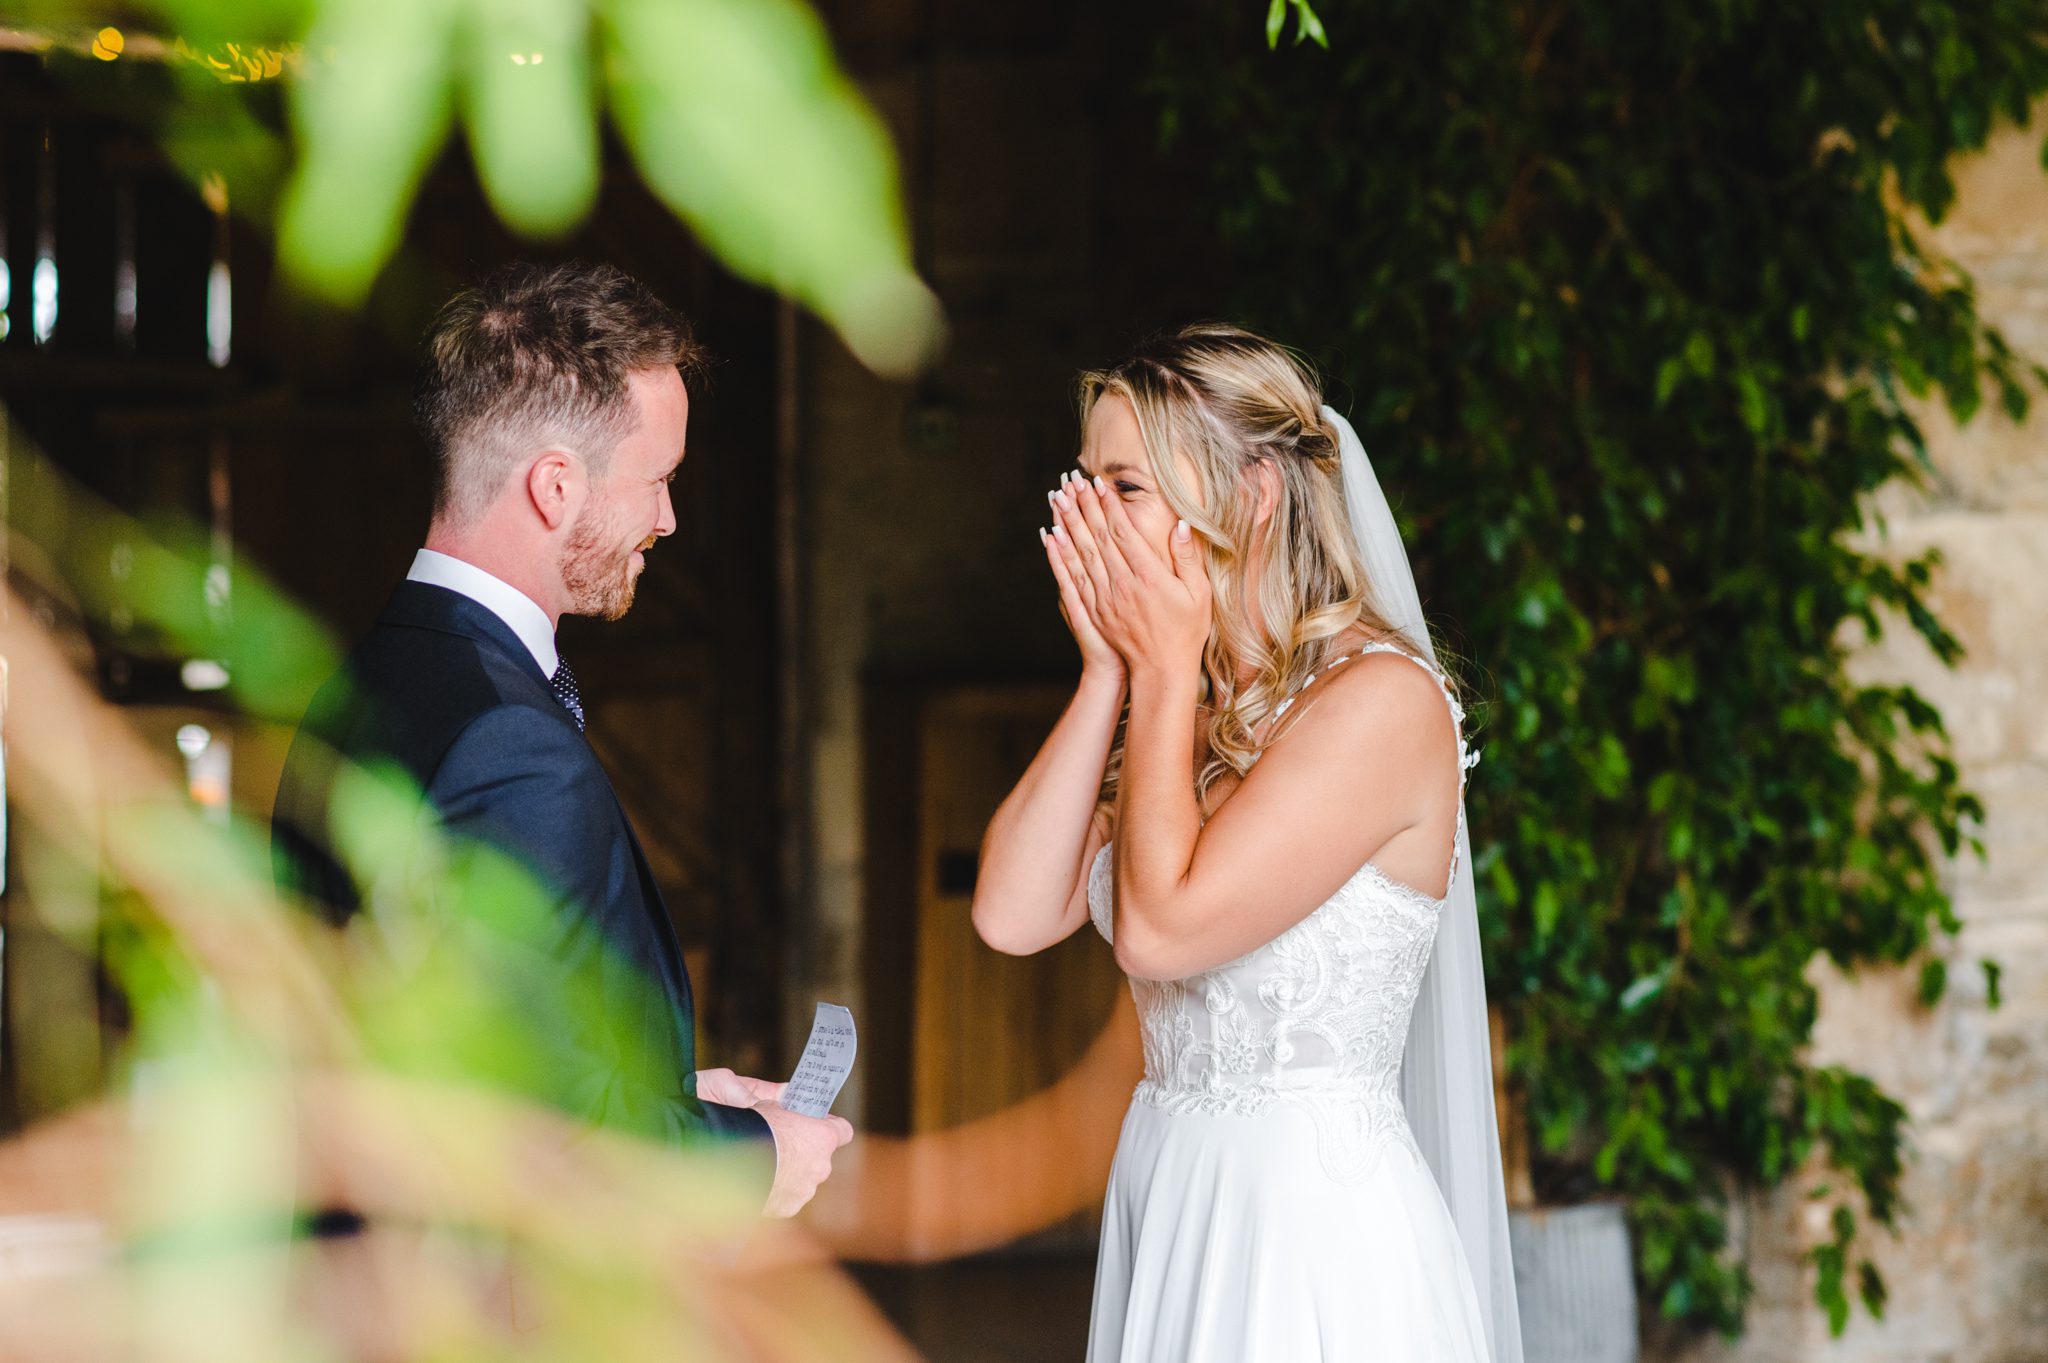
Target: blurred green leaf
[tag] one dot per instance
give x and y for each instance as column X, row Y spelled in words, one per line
column 735, row 112
column 743, row 125
column 529, row 111
column 368, row 122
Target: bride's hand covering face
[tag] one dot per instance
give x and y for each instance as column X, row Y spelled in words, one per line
column 1097, row 657
column 1126, row 562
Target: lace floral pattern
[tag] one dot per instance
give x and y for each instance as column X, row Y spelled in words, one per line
column 1316, row 1018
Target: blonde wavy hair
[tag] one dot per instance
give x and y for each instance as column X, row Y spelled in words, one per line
column 1228, row 401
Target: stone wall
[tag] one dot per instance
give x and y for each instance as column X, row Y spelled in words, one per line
column 1968, row 1271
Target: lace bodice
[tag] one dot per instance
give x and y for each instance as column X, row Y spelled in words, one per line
column 1317, row 1017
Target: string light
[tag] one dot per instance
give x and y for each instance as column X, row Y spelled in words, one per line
column 42, row 281
column 234, row 63
column 237, row 64
column 43, row 297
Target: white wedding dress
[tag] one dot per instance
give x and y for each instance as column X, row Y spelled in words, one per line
column 1268, row 1203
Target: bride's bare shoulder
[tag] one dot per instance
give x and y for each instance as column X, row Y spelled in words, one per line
column 1375, row 695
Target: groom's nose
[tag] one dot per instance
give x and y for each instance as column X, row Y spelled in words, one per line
column 665, row 523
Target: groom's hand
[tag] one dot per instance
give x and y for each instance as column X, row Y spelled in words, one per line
column 724, row 1087
column 804, row 1147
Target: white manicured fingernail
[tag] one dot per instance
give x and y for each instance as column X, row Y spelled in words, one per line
column 1180, row 530
column 1102, row 487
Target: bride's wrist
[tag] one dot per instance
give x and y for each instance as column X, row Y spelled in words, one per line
column 1164, row 682
column 1104, row 678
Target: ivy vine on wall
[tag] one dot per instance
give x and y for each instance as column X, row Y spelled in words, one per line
column 1628, row 300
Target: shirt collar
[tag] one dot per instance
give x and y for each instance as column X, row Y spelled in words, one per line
column 520, row 612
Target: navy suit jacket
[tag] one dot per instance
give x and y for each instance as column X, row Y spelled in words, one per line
column 597, row 995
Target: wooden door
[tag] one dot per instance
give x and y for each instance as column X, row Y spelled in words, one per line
column 987, row 1029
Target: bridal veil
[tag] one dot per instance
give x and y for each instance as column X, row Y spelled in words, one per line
column 1447, row 1071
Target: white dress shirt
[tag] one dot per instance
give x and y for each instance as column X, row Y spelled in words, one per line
column 520, row 612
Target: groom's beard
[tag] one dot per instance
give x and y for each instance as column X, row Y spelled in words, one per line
column 599, row 575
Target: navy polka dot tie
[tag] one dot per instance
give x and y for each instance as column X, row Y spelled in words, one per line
column 563, row 684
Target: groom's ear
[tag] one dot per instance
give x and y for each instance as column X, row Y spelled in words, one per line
column 556, row 485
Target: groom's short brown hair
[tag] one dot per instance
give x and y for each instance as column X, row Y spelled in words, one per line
column 534, row 356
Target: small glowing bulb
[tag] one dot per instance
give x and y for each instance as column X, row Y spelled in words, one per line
column 43, row 299
column 193, row 739
column 220, row 317
column 203, row 674
column 536, row 59
column 108, row 44
column 519, row 59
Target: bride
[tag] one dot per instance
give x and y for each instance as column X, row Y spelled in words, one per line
column 1257, row 793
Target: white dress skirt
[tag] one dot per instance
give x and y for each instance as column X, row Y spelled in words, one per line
column 1268, row 1203
column 1224, row 1240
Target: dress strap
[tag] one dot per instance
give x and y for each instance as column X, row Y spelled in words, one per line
column 1468, row 758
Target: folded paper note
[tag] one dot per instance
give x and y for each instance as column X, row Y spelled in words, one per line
column 827, row 1060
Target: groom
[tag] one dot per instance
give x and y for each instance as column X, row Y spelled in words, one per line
column 553, row 402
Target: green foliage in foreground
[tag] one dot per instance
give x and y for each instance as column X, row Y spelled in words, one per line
column 735, row 112
column 1627, row 300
